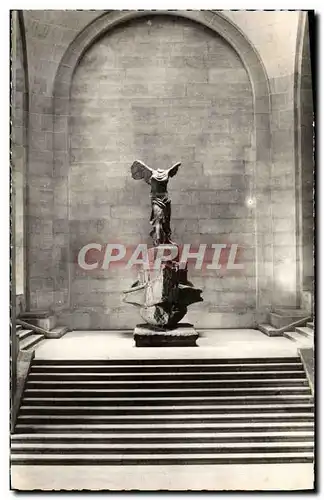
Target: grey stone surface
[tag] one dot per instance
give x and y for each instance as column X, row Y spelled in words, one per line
column 23, row 365
column 168, row 96
column 308, row 359
column 174, row 477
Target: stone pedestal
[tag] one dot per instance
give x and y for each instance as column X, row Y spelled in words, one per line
column 183, row 335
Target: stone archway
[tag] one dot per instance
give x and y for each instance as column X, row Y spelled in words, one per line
column 257, row 157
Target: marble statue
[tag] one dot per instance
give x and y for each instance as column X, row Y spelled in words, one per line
column 164, row 293
column 161, row 203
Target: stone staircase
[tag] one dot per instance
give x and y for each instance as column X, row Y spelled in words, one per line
column 303, row 335
column 294, row 324
column 27, row 338
column 165, row 411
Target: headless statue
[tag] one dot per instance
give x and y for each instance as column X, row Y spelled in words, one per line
column 163, row 295
column 160, row 201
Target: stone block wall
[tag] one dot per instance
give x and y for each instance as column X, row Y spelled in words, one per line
column 187, row 98
column 283, row 191
column 215, row 85
column 48, row 34
column 276, row 43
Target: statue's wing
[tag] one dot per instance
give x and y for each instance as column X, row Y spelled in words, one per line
column 174, row 169
column 141, row 171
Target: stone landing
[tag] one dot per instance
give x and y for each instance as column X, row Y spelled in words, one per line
column 183, row 478
column 183, row 335
column 120, row 344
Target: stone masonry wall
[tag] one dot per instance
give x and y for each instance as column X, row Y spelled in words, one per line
column 273, row 34
column 276, row 43
column 161, row 90
column 307, row 164
column 49, row 34
column 283, row 191
column 19, row 153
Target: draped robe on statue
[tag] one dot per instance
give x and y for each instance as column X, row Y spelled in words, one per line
column 160, row 201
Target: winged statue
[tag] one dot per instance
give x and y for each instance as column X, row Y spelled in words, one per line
column 160, row 201
column 162, row 294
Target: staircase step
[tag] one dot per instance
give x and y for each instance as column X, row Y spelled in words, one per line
column 145, row 448
column 292, row 416
column 57, row 332
column 157, row 401
column 269, row 330
column 158, row 459
column 30, row 341
column 174, row 409
column 163, row 377
column 310, row 324
column 135, row 392
column 24, row 334
column 148, row 427
column 164, row 410
column 156, row 437
column 180, row 384
column 298, row 338
column 305, row 331
column 195, row 368
column 136, row 362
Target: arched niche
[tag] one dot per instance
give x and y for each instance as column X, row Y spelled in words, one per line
column 258, row 155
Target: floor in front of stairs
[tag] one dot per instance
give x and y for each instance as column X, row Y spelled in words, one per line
column 118, row 344
column 239, row 477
